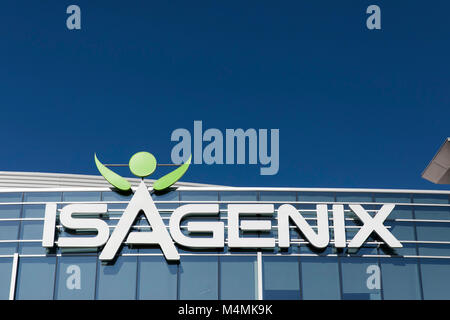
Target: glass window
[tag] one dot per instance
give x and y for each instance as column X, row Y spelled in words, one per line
column 199, row 196
column 438, row 250
column 31, row 230
column 35, row 278
column 117, row 281
column 238, row 196
column 10, row 211
column 8, row 247
column 34, row 210
column 407, row 249
column 9, row 230
column 393, row 197
column 42, row 196
column 238, row 278
column 400, row 279
column 432, row 213
column 277, row 196
column 431, row 198
column 76, row 278
column 316, row 196
column 433, row 231
column 353, row 197
column 199, row 278
column 361, row 279
column 281, row 278
column 320, row 278
column 401, row 230
column 157, row 279
column 400, row 212
column 10, row 197
column 435, row 278
column 116, row 196
column 81, row 196
column 169, row 196
column 5, row 277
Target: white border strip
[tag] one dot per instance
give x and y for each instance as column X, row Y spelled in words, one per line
column 12, row 285
column 260, row 275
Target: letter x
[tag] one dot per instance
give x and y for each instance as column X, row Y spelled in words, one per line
column 373, row 224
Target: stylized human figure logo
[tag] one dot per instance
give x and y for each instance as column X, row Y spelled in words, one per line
column 141, row 164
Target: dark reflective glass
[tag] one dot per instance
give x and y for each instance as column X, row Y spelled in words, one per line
column 75, row 278
column 42, row 196
column 431, row 198
column 35, row 278
column 199, row 278
column 400, row 279
column 117, row 281
column 238, row 278
column 10, row 197
column 361, row 278
column 277, row 196
column 79, row 196
column 281, row 278
column 435, row 278
column 5, row 277
column 320, row 278
column 157, row 279
column 353, row 197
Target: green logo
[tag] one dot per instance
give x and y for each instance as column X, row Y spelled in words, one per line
column 141, row 164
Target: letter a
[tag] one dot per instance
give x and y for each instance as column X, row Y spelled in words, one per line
column 141, row 201
column 374, row 21
column 74, row 20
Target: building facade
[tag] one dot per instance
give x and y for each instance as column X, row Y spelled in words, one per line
column 420, row 269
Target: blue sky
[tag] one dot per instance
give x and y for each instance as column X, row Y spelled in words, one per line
column 355, row 108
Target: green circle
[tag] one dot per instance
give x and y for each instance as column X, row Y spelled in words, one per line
column 142, row 164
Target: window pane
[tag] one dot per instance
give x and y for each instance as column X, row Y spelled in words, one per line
column 81, row 196
column 238, row 196
column 281, row 278
column 170, row 196
column 432, row 213
column 8, row 248
column 115, row 196
column 431, row 198
column 118, row 280
column 35, row 278
column 316, row 196
column 10, row 197
column 42, row 196
column 5, row 277
column 353, row 197
column 10, row 211
column 34, row 210
column 400, row 279
column 9, row 230
column 393, row 197
column 157, row 279
column 435, row 278
column 320, row 278
column 76, row 278
column 238, row 278
column 360, row 279
column 433, row 231
column 199, row 196
column 277, row 196
column 199, row 278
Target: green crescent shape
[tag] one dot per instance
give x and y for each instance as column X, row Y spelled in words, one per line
column 172, row 177
column 112, row 177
